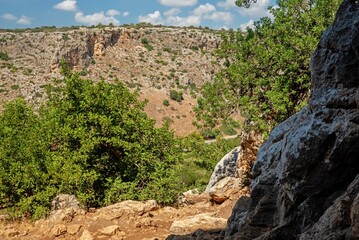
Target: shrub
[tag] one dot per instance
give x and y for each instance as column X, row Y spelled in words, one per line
column 166, row 102
column 90, row 139
column 176, row 95
column 146, row 44
column 4, row 56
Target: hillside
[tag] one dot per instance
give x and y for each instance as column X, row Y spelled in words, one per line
column 153, row 60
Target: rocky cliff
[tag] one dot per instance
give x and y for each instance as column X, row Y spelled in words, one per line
column 306, row 183
column 153, row 60
column 306, row 176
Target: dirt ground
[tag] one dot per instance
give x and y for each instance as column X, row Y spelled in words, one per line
column 128, row 220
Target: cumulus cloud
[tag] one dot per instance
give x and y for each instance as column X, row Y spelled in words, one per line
column 9, row 16
column 153, row 18
column 24, row 20
column 171, row 17
column 172, row 12
column 209, row 12
column 67, row 5
column 203, row 9
column 178, row 3
column 217, row 16
column 249, row 24
column 125, row 14
column 227, row 4
column 256, row 10
column 112, row 13
column 183, row 21
column 95, row 18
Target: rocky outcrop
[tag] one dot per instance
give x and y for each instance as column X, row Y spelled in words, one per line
column 306, row 182
column 232, row 173
column 204, row 221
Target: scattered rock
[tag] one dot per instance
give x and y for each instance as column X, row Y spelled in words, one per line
column 64, row 208
column 13, row 233
column 110, row 230
column 59, row 230
column 203, row 221
column 73, row 229
column 86, row 235
column 4, row 217
column 127, row 209
column 224, row 189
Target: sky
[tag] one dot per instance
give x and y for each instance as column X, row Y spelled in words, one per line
column 216, row 14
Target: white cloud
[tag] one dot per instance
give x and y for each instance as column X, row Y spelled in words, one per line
column 178, row 3
column 256, row 10
column 24, row 20
column 183, row 21
column 112, row 13
column 96, row 18
column 203, row 9
column 67, row 5
column 226, row 17
column 249, row 24
column 8, row 16
column 170, row 18
column 227, row 4
column 153, row 18
column 125, row 14
column 172, row 12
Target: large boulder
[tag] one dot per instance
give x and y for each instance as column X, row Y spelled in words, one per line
column 201, row 221
column 306, row 175
column 232, row 173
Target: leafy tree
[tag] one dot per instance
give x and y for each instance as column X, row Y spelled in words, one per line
column 23, row 154
column 89, row 139
column 102, row 130
column 267, row 77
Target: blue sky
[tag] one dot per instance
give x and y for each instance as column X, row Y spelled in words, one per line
column 211, row 13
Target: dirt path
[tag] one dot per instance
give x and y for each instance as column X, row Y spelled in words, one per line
column 128, row 220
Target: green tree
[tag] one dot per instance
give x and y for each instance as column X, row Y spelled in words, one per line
column 101, row 129
column 89, row 139
column 23, row 155
column 267, row 75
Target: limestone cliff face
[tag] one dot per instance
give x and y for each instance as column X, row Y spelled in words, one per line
column 171, row 58
column 306, row 177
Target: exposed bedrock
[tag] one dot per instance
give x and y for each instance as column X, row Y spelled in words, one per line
column 306, row 177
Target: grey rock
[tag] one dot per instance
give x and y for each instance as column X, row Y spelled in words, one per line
column 305, row 178
column 225, row 168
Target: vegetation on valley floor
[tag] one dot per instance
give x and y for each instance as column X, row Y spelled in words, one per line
column 94, row 140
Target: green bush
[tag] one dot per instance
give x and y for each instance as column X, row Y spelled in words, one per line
column 166, row 102
column 90, row 139
column 146, row 44
column 4, row 56
column 176, row 95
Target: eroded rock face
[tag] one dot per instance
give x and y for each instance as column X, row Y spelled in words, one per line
column 306, row 175
column 233, row 173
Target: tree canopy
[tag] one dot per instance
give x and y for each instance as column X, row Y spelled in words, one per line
column 89, row 139
column 267, row 74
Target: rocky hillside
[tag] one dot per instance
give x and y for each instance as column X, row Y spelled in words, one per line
column 153, row 60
